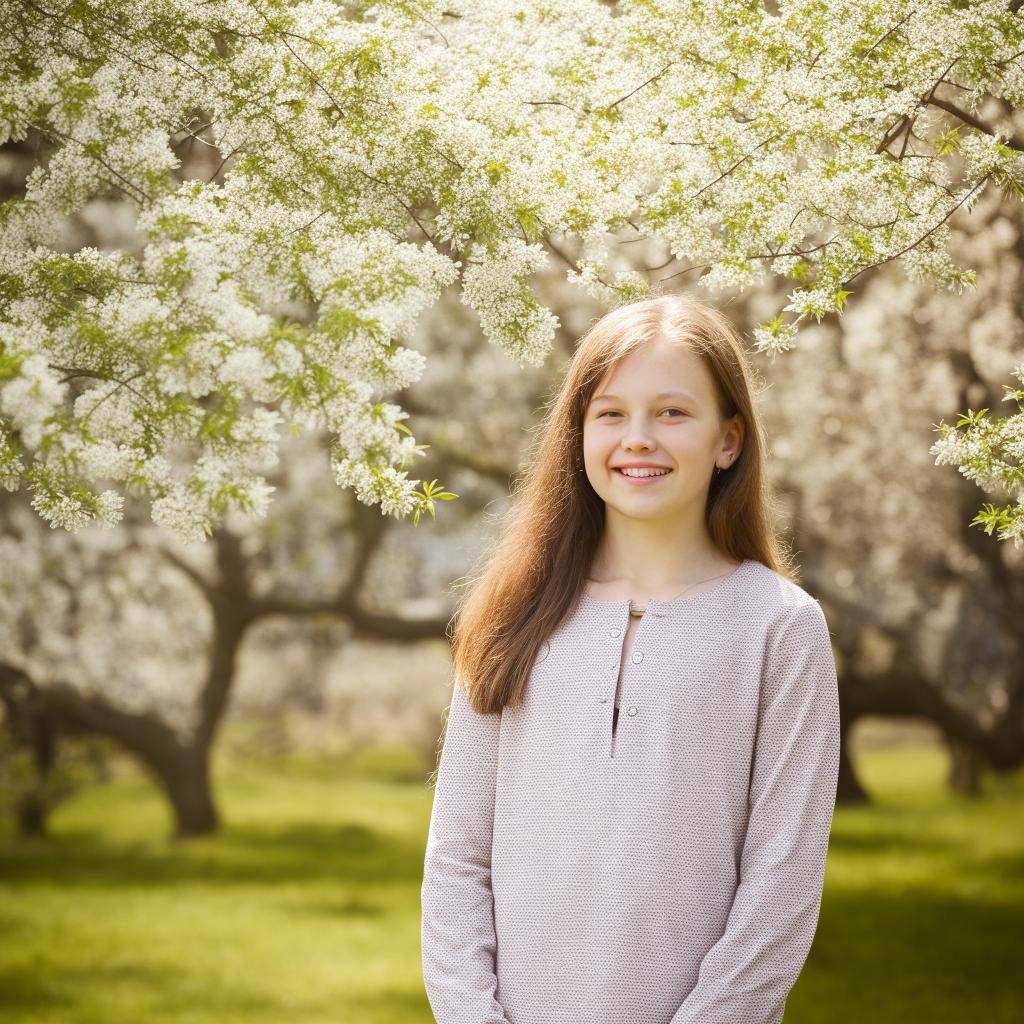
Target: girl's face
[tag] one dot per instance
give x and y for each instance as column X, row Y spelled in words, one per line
column 657, row 408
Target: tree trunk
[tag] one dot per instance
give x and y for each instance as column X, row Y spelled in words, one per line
column 965, row 767
column 180, row 766
column 186, row 781
column 31, row 811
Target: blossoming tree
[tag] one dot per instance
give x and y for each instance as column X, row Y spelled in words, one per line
column 130, row 636
column 926, row 610
column 367, row 156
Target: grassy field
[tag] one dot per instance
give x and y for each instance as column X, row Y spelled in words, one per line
column 306, row 908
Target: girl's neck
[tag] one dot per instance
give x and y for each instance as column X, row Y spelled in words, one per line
column 657, row 572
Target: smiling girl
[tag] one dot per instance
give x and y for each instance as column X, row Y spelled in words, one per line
column 636, row 786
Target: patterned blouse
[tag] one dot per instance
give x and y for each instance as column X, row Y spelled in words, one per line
column 669, row 872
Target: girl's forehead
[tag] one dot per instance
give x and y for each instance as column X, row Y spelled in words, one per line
column 657, row 365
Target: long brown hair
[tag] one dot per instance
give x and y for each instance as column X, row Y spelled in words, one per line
column 523, row 588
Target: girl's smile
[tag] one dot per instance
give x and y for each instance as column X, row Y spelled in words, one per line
column 641, row 477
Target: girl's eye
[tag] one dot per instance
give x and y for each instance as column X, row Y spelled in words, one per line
column 612, row 412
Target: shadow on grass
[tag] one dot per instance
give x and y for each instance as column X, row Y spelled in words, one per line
column 52, row 987
column 1002, row 867
column 352, row 907
column 915, row 955
column 396, row 1005
column 884, row 841
column 241, row 855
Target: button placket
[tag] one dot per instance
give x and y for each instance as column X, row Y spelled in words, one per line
column 615, row 664
column 621, row 668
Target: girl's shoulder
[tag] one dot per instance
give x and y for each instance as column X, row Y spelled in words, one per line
column 768, row 594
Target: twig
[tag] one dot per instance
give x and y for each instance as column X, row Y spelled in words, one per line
column 653, row 78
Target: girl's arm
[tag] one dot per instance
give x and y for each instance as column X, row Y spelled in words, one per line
column 458, row 937
column 746, row 976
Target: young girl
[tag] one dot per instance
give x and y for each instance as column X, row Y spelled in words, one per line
column 639, row 768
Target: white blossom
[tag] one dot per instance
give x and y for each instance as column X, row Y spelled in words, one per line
column 370, row 163
column 30, row 398
column 497, row 286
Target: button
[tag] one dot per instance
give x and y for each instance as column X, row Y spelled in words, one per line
column 614, row 631
column 637, row 657
column 632, row 710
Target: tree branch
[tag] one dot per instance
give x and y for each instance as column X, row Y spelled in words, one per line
column 896, row 255
column 973, row 121
column 642, row 85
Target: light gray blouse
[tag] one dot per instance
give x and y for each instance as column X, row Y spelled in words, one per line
column 669, row 874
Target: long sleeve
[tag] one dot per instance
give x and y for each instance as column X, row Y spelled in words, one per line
column 458, row 935
column 746, row 977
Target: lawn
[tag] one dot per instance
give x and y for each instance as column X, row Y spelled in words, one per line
column 306, row 908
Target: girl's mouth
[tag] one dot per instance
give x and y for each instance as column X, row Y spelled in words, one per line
column 649, row 476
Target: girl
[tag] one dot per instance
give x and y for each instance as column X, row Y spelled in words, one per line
column 639, row 768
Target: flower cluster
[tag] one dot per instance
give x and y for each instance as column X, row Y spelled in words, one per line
column 362, row 165
column 991, row 453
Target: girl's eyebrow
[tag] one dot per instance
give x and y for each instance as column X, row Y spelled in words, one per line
column 664, row 394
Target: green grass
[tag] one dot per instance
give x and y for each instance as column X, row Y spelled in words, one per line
column 306, row 908
column 923, row 904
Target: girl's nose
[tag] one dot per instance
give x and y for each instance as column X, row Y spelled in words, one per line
column 637, row 439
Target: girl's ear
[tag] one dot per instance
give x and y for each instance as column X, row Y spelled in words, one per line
column 736, row 429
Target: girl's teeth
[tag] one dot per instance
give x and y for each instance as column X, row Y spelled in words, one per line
column 643, row 472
